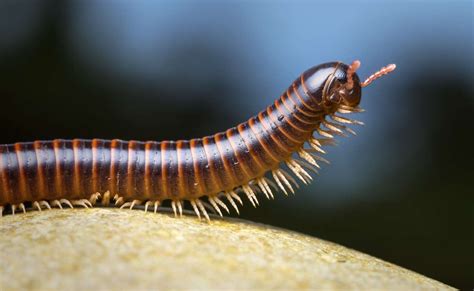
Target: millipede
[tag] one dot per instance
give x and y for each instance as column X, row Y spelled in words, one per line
column 258, row 156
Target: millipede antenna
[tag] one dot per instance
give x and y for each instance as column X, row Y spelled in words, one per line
column 383, row 71
column 350, row 73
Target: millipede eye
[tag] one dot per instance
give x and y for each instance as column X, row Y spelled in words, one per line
column 343, row 92
column 335, row 98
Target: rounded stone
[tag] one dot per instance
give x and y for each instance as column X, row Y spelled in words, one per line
column 107, row 248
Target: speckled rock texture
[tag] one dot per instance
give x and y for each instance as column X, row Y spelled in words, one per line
column 112, row 249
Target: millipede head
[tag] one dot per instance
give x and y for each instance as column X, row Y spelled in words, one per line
column 334, row 83
column 343, row 86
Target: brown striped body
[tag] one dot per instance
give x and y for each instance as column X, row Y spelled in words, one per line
column 73, row 169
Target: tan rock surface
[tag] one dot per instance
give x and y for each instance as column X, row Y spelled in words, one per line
column 104, row 248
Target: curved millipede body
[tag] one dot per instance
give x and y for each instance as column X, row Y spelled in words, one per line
column 243, row 159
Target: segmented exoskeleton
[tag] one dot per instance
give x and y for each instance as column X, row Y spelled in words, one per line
column 42, row 174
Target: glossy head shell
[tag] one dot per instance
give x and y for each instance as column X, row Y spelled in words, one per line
column 328, row 83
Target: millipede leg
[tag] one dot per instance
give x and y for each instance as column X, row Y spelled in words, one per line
column 126, row 204
column 231, row 201
column 262, row 187
column 147, row 204
column 284, row 177
column 307, row 166
column 94, row 197
column 345, row 120
column 324, row 133
column 106, row 199
column 180, row 207
column 202, row 209
column 350, row 109
column 209, row 207
column 221, row 204
column 214, row 204
column 195, row 208
column 316, row 145
column 277, row 180
column 290, row 178
column 131, row 204
column 45, row 204
column 118, row 200
column 271, row 184
column 333, row 127
column 22, row 207
column 299, row 171
column 36, row 205
column 173, row 205
column 39, row 205
column 325, row 141
column 339, row 127
column 318, row 158
column 250, row 195
column 236, row 197
column 56, row 203
column 82, row 202
column 307, row 157
column 67, row 202
column 263, row 180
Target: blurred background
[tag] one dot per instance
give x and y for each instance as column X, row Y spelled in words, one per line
column 401, row 190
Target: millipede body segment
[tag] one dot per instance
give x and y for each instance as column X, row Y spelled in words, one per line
column 243, row 159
